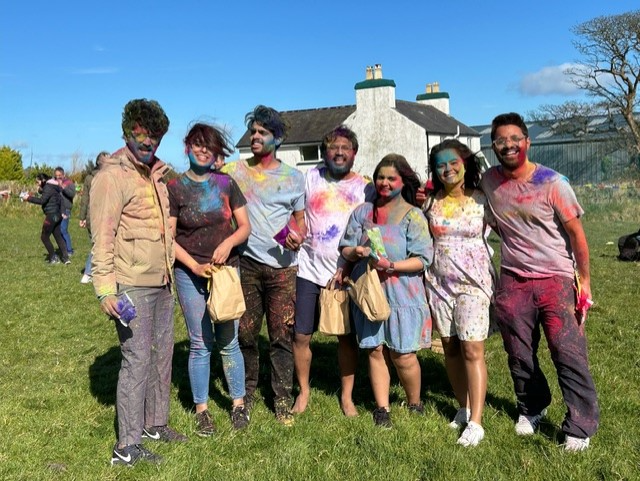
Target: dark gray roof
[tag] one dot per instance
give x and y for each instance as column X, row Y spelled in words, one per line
column 310, row 126
column 432, row 120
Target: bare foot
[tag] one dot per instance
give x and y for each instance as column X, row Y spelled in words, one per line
column 348, row 408
column 301, row 403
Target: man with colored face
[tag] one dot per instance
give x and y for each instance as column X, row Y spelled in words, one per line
column 332, row 191
column 132, row 263
column 275, row 203
column 544, row 250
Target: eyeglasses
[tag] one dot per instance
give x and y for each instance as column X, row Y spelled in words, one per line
column 140, row 138
column 200, row 147
column 502, row 141
column 336, row 148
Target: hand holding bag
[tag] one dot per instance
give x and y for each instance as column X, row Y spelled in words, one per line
column 368, row 295
column 334, row 311
column 226, row 299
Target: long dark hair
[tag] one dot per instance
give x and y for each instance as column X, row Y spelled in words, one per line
column 409, row 177
column 471, row 164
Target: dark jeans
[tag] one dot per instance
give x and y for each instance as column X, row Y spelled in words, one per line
column 64, row 230
column 522, row 306
column 269, row 293
column 51, row 225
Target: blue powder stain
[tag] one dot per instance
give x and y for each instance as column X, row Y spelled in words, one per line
column 331, row 233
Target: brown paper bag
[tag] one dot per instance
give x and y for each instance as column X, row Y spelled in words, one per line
column 368, row 295
column 226, row 300
column 334, row 311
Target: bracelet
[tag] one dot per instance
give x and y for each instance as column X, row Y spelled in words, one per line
column 391, row 268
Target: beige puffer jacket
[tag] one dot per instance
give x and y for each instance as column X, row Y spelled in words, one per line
column 129, row 209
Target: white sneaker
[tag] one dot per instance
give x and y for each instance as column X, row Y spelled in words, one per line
column 527, row 425
column 461, row 418
column 85, row 279
column 574, row 444
column 472, row 435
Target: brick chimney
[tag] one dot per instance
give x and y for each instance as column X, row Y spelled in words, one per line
column 375, row 92
column 435, row 98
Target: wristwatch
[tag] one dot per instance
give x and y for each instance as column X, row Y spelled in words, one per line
column 390, row 269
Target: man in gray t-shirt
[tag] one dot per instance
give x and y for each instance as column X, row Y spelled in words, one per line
column 543, row 248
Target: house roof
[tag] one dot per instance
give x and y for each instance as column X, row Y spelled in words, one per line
column 310, row 126
column 599, row 127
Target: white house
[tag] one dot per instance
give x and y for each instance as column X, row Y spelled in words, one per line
column 382, row 123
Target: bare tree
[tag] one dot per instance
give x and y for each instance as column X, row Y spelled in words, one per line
column 573, row 117
column 610, row 71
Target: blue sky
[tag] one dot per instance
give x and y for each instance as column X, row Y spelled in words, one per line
column 67, row 68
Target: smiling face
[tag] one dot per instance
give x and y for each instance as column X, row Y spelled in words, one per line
column 450, row 168
column 339, row 157
column 142, row 145
column 263, row 143
column 510, row 146
column 200, row 157
column 388, row 183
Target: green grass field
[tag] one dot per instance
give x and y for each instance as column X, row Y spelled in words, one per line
column 59, row 361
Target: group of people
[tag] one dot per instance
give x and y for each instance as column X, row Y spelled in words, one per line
column 55, row 196
column 291, row 235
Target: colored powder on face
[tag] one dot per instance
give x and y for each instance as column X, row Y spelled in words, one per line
column 446, row 156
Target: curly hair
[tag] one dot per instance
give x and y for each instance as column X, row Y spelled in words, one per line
column 471, row 164
column 410, row 178
column 147, row 114
column 270, row 119
column 215, row 139
column 339, row 131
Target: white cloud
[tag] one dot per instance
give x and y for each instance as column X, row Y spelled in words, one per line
column 95, row 71
column 549, row 81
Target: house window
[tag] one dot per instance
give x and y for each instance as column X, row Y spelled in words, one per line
column 309, row 153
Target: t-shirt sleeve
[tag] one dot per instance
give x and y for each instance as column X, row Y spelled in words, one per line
column 174, row 207
column 419, row 243
column 299, row 199
column 564, row 201
column 236, row 197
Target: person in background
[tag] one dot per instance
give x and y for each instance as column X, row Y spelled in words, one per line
column 85, row 219
column 460, row 279
column 543, row 247
column 218, row 164
column 209, row 220
column 275, row 198
column 133, row 254
column 50, row 200
column 332, row 191
column 68, row 193
column 408, row 252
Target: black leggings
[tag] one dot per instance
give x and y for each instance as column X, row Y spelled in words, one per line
column 51, row 225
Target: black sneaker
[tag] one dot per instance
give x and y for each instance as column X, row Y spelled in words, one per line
column 248, row 403
column 131, row 454
column 205, row 424
column 163, row 433
column 66, row 262
column 239, row 417
column 54, row 260
column 416, row 408
column 382, row 419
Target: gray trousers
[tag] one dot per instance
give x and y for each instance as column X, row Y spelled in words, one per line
column 144, row 380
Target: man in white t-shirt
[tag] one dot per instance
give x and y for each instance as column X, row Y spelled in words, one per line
column 332, row 191
column 543, row 245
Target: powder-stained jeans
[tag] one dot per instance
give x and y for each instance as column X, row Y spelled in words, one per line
column 522, row 306
column 144, row 381
column 193, row 295
column 271, row 293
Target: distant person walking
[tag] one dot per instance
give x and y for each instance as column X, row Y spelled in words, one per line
column 543, row 246
column 68, row 193
column 85, row 218
column 50, row 200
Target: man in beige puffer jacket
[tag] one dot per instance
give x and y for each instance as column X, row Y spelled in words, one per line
column 133, row 254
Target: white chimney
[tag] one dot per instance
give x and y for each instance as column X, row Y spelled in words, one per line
column 434, row 97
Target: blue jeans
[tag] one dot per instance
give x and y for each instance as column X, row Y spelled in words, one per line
column 64, row 230
column 87, row 264
column 192, row 295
